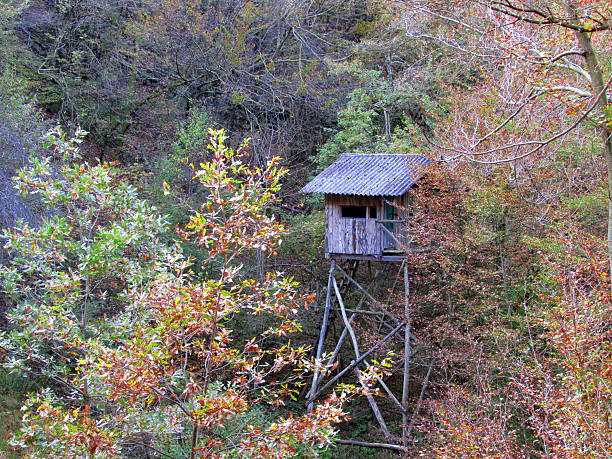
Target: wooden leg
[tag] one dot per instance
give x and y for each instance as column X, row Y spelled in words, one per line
column 349, row 327
column 374, row 406
column 406, row 357
column 315, row 378
column 354, row 363
column 371, row 401
column 418, row 406
column 335, row 288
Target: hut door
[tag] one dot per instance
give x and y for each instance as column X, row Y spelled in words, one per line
column 388, row 242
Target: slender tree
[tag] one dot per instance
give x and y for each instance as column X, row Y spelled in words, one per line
column 137, row 354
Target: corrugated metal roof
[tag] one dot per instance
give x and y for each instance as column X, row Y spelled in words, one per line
column 369, row 175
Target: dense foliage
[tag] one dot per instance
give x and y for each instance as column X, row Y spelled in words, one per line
column 144, row 308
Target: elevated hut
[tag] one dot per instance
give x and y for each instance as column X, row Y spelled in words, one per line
column 367, row 205
column 367, row 202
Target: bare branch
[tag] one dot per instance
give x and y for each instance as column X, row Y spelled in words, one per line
column 538, row 144
column 578, row 91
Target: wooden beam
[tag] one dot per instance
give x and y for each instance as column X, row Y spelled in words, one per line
column 382, row 258
column 386, row 230
column 405, row 386
column 351, row 332
column 315, row 378
column 347, row 324
column 366, row 444
column 340, row 342
column 422, row 394
column 374, row 406
column 354, row 363
column 356, row 346
column 361, row 311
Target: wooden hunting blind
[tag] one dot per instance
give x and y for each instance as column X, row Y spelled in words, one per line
column 367, row 204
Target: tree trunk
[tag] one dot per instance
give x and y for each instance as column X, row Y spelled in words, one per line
column 599, row 90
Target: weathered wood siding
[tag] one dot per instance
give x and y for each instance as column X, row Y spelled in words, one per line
column 359, row 236
column 363, row 236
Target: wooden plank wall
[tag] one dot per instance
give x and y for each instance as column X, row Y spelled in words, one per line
column 352, row 235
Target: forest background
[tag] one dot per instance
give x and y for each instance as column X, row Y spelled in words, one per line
column 510, row 289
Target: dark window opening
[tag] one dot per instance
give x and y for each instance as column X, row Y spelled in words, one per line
column 372, row 212
column 353, row 211
column 389, row 211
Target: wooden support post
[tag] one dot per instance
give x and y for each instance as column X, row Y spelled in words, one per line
column 395, row 281
column 369, row 444
column 374, row 406
column 347, row 324
column 356, row 347
column 418, row 406
column 351, row 332
column 340, row 342
column 328, row 301
column 354, row 363
column 406, row 357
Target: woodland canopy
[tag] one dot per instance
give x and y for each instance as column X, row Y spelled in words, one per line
column 162, row 280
